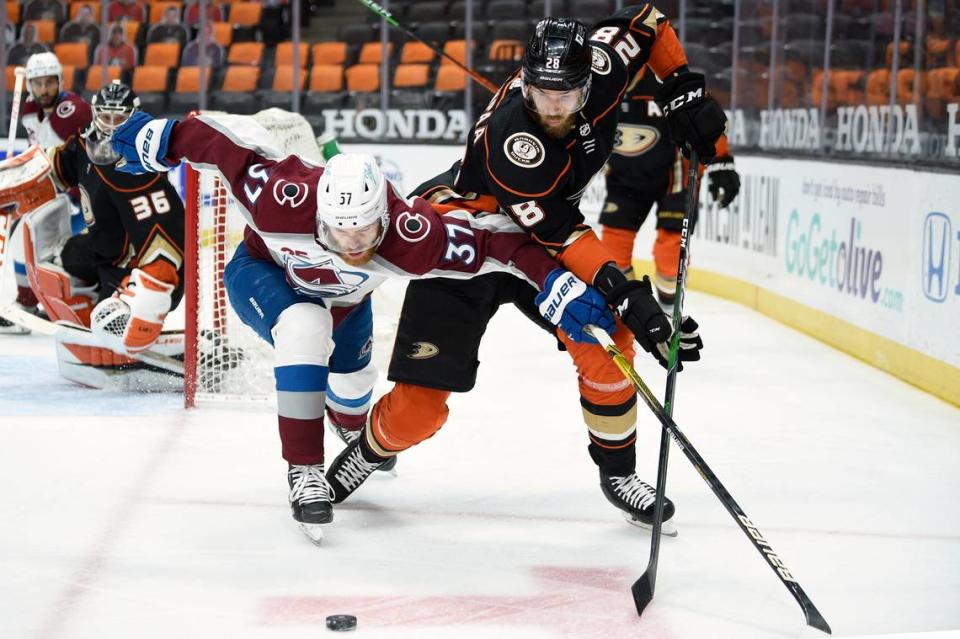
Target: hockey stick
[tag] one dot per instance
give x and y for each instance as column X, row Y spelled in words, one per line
column 6, row 218
column 643, row 587
column 813, row 616
column 386, row 15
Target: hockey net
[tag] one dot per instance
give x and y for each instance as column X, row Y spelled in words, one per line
column 224, row 360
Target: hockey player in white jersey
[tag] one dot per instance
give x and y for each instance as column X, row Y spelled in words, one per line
column 318, row 241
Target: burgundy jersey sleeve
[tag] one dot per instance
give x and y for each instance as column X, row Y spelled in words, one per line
column 278, row 194
column 422, row 242
column 71, row 115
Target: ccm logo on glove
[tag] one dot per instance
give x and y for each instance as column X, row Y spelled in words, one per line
column 681, row 100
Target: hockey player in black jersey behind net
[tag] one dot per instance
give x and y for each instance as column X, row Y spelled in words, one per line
column 545, row 134
column 647, row 168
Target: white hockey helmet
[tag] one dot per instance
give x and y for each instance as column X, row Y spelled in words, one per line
column 351, row 198
column 41, row 65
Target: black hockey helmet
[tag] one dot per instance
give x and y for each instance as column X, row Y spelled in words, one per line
column 112, row 105
column 558, row 57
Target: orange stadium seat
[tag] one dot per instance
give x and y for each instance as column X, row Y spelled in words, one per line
column 162, row 54
column 13, row 12
column 11, row 77
column 283, row 78
column 250, row 53
column 905, row 83
column 150, row 79
column 241, row 79
column 943, row 86
column 450, row 78
column 363, row 78
column 416, row 52
column 456, row 49
column 938, row 52
column 223, row 33
column 904, row 52
column 326, row 78
column 846, row 86
column 46, row 30
column 878, row 87
column 284, row 55
column 95, row 76
column 76, row 54
column 411, row 76
column 505, row 50
column 188, row 79
column 69, row 77
column 157, row 9
column 76, row 6
column 245, row 14
column 370, row 52
column 329, row 53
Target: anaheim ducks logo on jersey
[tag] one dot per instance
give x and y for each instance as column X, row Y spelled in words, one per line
column 635, row 139
column 601, row 62
column 424, row 350
column 323, row 278
column 524, row 150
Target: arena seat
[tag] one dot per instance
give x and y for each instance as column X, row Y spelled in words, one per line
column 363, row 78
column 329, row 53
column 76, row 54
column 162, row 54
column 326, row 78
column 414, row 52
column 370, row 52
column 94, row 79
column 284, row 54
column 247, row 53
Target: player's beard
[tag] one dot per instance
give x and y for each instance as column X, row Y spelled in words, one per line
column 46, row 101
column 557, row 126
column 359, row 258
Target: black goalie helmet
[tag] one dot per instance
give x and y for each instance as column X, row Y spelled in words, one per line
column 111, row 107
column 558, row 57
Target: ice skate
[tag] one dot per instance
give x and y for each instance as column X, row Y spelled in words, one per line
column 350, row 436
column 310, row 497
column 350, row 469
column 636, row 499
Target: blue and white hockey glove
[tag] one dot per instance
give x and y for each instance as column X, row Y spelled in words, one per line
column 566, row 301
column 142, row 141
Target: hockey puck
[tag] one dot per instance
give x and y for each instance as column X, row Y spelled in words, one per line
column 341, row 622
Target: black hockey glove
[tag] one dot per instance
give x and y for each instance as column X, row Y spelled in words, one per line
column 633, row 301
column 724, row 181
column 695, row 119
column 690, row 344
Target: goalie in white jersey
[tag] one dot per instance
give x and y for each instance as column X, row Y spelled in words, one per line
column 318, row 241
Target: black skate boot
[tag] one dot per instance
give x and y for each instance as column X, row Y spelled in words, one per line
column 351, row 468
column 636, row 499
column 310, row 497
column 350, row 436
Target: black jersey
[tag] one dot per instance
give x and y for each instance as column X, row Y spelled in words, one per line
column 133, row 221
column 538, row 179
column 643, row 153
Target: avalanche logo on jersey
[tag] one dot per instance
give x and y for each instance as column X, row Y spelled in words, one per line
column 65, row 109
column 292, row 193
column 322, row 279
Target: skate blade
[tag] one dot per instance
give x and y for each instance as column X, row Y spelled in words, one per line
column 314, row 532
column 667, row 529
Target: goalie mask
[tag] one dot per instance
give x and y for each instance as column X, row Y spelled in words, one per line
column 111, row 106
column 352, row 213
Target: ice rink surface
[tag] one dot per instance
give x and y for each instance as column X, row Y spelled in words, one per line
column 126, row 516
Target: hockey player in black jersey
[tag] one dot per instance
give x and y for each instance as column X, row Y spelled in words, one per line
column 647, row 168
column 544, row 135
column 131, row 253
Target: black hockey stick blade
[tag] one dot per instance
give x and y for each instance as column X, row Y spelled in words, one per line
column 642, row 590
